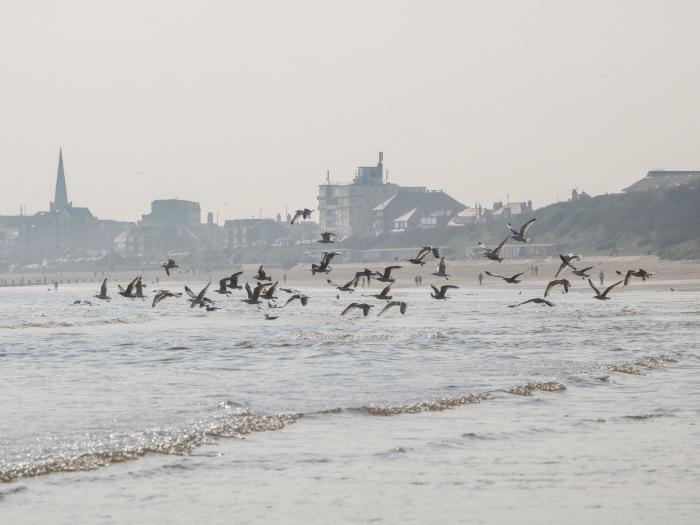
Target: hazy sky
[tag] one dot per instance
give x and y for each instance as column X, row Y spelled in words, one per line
column 245, row 105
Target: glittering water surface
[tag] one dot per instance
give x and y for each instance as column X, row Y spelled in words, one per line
column 118, row 412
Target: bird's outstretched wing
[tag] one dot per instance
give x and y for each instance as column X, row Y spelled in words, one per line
column 526, row 226
column 425, row 250
column 597, row 292
column 190, row 292
column 349, row 307
column 609, row 288
column 497, row 249
column 446, row 287
column 494, row 275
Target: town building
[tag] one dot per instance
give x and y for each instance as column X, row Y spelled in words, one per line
column 369, row 205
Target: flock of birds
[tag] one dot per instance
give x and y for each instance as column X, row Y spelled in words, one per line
column 265, row 289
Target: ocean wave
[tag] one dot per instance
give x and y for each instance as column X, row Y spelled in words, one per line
column 528, row 388
column 134, row 319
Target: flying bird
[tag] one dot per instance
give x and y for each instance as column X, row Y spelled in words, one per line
column 558, row 282
column 223, row 287
column 199, row 299
column 169, row 266
column 103, row 292
column 269, row 294
column 304, row 214
column 129, row 292
column 583, row 272
column 442, row 269
column 139, row 289
column 326, row 238
column 384, row 294
column 324, row 266
column 262, row 275
column 347, row 287
column 566, row 260
column 385, row 276
column 402, row 307
column 163, row 294
column 233, row 281
column 511, row 280
column 536, row 300
column 442, row 292
column 425, row 250
column 361, row 306
column 495, row 253
column 519, row 235
column 364, row 273
column 643, row 274
column 254, row 295
column 603, row 296
column 303, row 299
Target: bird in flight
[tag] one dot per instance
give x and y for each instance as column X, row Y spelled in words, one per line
column 402, row 307
column 169, row 266
column 442, row 292
column 558, row 282
column 495, row 253
column 324, row 266
column 442, row 269
column 304, row 214
column 163, row 294
column 643, row 274
column 233, row 281
column 604, row 295
column 254, row 295
column 129, row 292
column 103, row 292
column 425, row 250
column 199, row 299
column 385, row 276
column 536, row 300
column 566, row 260
column 360, row 306
column 262, row 275
column 519, row 235
column 326, row 238
column 384, row 294
column 583, row 272
column 347, row 287
column 511, row 280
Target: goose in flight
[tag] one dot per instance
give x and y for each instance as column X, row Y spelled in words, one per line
column 129, row 292
column 303, row 299
column 324, row 266
column 326, row 238
column 511, row 280
column 384, row 294
column 558, row 282
column 385, row 277
column 199, row 299
column 519, row 235
column 169, row 266
column 536, row 300
column 583, row 272
column 347, row 287
column 304, row 214
column 262, row 275
column 425, row 250
column 360, row 306
column 566, row 260
column 442, row 292
column 442, row 269
column 163, row 294
column 254, row 295
column 604, row 295
column 402, row 307
column 233, row 281
column 495, row 253
column 103, row 292
column 638, row 273
column 223, row 287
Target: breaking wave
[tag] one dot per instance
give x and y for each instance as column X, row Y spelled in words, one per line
column 134, row 319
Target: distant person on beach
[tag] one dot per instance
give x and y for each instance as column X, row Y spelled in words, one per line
column 601, row 276
column 481, row 278
column 415, row 280
column 55, row 285
column 284, row 278
column 537, row 270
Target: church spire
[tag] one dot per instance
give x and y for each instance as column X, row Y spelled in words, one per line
column 60, row 200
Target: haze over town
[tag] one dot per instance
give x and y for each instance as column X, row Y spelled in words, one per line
column 243, row 106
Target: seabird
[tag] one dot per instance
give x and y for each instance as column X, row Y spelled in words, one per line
column 441, row 293
column 495, row 253
column 347, row 287
column 303, row 299
column 511, row 280
column 211, row 308
column 364, row 273
column 269, row 317
column 403, row 306
column 425, row 250
column 361, row 306
column 442, row 269
column 557, row 282
column 326, row 238
column 200, row 298
column 262, row 275
column 304, row 214
column 169, row 266
column 603, row 296
column 269, row 294
column 536, row 300
column 384, row 294
column 385, row 277
column 254, row 295
column 129, row 292
column 638, row 273
column 324, row 266
column 103, row 292
column 519, row 235
column 566, row 260
column 164, row 294
column 582, row 272
column 139, row 289
column 223, row 286
column 233, row 281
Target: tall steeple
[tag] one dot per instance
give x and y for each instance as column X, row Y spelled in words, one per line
column 60, row 200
